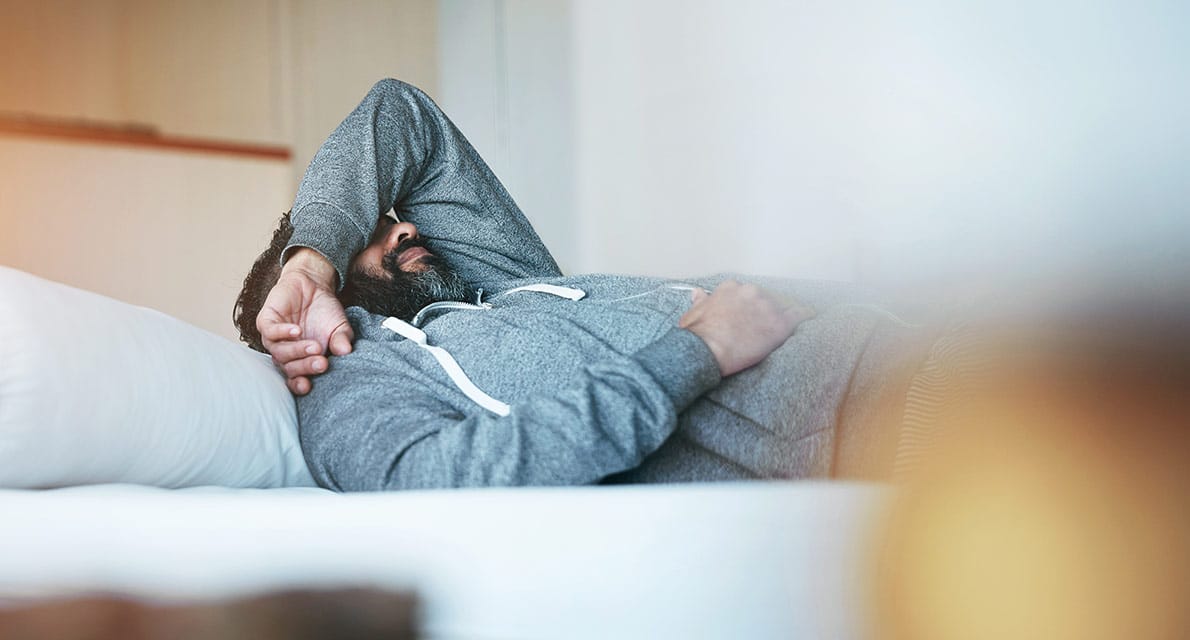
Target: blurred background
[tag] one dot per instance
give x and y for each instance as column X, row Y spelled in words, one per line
column 147, row 147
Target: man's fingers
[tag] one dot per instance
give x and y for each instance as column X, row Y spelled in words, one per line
column 310, row 366
column 285, row 352
column 298, row 386
column 277, row 331
column 697, row 294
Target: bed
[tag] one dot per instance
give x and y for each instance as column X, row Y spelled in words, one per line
column 774, row 560
column 143, row 457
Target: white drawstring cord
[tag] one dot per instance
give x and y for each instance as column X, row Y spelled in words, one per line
column 676, row 287
column 569, row 293
column 410, row 331
column 446, row 304
column 456, row 373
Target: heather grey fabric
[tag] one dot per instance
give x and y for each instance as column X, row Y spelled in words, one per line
column 601, row 389
column 397, row 150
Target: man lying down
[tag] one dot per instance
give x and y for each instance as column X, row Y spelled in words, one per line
column 460, row 355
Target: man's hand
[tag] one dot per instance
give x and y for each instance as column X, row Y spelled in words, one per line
column 742, row 323
column 302, row 318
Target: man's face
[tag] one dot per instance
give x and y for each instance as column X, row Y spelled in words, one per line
column 396, row 275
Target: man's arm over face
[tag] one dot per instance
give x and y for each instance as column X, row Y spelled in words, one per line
column 398, row 150
column 364, row 431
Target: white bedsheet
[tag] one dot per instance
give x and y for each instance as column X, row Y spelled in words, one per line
column 757, row 560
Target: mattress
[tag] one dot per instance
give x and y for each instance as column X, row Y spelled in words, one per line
column 740, row 560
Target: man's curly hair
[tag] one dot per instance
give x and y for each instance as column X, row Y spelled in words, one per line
column 264, row 274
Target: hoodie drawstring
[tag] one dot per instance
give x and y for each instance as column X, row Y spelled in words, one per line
column 451, row 366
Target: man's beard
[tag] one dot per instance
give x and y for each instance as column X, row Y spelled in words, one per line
column 402, row 293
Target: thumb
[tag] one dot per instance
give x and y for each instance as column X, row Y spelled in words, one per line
column 698, row 294
column 341, row 338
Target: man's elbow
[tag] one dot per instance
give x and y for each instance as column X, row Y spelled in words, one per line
column 393, row 88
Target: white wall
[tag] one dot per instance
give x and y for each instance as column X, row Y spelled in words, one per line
column 172, row 230
column 855, row 140
column 337, row 50
column 206, row 68
column 281, row 72
column 32, row 61
column 506, row 82
column 715, row 136
column 175, row 231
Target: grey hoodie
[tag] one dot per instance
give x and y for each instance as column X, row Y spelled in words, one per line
column 590, row 382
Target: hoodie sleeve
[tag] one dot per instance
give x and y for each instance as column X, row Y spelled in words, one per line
column 360, row 432
column 397, row 150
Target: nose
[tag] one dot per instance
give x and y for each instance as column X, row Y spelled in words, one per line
column 405, row 230
column 401, row 232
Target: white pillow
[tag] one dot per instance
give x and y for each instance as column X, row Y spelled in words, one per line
column 93, row 390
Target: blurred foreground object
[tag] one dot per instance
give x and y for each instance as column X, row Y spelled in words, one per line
column 1057, row 503
column 355, row 614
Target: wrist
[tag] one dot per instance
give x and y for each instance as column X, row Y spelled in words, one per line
column 312, row 264
column 682, row 364
column 718, row 352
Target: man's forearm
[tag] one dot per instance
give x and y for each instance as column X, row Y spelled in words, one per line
column 359, row 172
column 397, row 150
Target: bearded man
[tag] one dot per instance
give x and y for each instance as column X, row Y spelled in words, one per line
column 443, row 347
